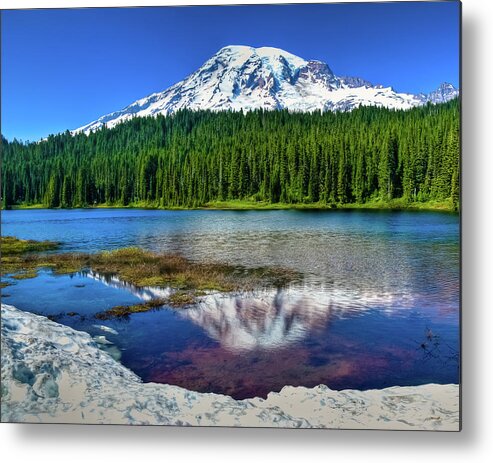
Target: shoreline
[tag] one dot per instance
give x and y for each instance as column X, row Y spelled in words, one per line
column 377, row 206
column 54, row 374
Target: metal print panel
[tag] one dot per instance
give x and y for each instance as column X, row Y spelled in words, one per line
column 232, row 216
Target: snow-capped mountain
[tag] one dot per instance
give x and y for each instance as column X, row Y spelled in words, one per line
column 442, row 94
column 246, row 78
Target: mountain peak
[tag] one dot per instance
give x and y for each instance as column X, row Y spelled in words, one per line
column 240, row 54
column 244, row 78
column 445, row 92
column 447, row 85
column 264, row 52
column 238, row 50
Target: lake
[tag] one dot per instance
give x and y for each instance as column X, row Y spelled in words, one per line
column 378, row 304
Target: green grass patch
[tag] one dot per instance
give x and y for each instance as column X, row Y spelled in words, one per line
column 25, row 275
column 250, row 204
column 26, row 206
column 142, row 268
column 393, row 204
column 11, row 245
column 21, row 257
column 123, row 311
column 403, row 205
column 178, row 299
column 181, row 299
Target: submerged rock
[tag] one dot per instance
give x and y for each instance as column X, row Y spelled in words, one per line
column 54, row 374
column 105, row 328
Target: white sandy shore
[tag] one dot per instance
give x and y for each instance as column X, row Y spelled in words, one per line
column 54, row 374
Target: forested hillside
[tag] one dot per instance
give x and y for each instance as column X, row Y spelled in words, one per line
column 192, row 158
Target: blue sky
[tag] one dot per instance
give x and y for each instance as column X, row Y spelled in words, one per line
column 64, row 68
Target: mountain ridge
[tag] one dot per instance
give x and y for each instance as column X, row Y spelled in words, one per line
column 244, row 78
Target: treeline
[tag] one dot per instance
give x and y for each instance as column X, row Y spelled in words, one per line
column 192, row 158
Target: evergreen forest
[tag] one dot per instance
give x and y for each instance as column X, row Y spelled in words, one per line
column 197, row 158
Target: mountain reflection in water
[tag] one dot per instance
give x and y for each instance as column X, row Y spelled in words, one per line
column 266, row 319
column 145, row 293
column 274, row 319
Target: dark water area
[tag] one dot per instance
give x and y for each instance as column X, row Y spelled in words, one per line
column 378, row 306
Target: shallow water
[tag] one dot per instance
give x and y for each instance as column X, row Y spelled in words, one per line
column 379, row 304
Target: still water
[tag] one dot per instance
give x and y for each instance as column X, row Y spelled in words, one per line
column 378, row 305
